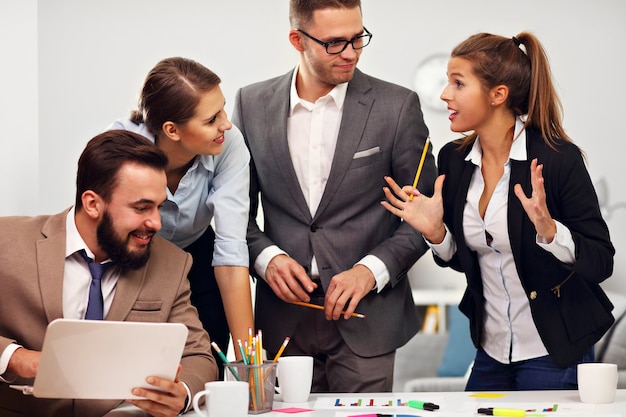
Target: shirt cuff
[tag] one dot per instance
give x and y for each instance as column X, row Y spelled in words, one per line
column 378, row 268
column 5, row 358
column 446, row 249
column 264, row 258
column 187, row 405
column 562, row 246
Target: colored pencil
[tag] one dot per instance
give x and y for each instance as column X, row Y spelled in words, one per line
column 319, row 307
column 225, row 359
column 282, row 349
column 419, row 167
column 244, row 357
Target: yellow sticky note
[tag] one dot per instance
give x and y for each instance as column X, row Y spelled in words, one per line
column 487, row 395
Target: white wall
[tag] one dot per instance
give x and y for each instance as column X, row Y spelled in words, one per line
column 83, row 62
column 19, row 121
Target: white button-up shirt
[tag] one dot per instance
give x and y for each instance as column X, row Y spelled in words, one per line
column 509, row 333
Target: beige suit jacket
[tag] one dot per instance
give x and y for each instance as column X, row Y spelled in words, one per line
column 32, row 257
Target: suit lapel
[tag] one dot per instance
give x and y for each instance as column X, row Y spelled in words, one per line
column 276, row 114
column 51, row 265
column 127, row 291
column 356, row 110
column 461, row 197
column 520, row 174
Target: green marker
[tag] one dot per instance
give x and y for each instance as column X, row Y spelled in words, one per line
column 420, row 405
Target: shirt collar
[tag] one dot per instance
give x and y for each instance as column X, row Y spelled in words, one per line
column 337, row 94
column 73, row 240
column 518, row 148
column 207, row 161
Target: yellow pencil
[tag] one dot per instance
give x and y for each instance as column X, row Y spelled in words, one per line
column 319, row 307
column 419, row 167
column 282, row 349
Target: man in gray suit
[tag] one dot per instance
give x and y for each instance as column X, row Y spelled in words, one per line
column 322, row 138
column 44, row 276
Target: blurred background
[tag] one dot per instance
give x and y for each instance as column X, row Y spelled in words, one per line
column 68, row 68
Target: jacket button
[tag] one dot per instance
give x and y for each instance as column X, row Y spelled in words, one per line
column 313, row 228
column 533, row 295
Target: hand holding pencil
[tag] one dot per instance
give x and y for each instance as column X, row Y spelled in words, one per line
column 423, row 213
column 420, row 166
column 319, row 307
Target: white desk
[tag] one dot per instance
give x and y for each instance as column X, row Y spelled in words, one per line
column 453, row 404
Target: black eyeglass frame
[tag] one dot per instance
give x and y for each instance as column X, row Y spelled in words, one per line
column 368, row 35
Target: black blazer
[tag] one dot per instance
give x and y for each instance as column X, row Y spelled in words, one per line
column 569, row 309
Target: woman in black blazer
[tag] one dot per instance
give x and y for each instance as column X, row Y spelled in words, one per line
column 518, row 214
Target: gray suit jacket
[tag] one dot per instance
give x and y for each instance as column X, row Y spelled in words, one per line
column 32, row 256
column 382, row 133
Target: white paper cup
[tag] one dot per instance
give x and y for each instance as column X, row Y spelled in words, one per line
column 295, row 375
column 223, row 398
column 597, row 382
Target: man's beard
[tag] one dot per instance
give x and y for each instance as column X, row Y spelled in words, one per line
column 117, row 248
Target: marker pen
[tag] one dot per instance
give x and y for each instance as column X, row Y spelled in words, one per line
column 506, row 412
column 423, row 406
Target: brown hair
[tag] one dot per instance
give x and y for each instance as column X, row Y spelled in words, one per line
column 301, row 11
column 171, row 92
column 497, row 60
column 105, row 154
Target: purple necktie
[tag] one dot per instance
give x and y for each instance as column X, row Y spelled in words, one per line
column 95, row 307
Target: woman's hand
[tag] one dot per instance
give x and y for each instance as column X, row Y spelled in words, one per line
column 535, row 206
column 424, row 214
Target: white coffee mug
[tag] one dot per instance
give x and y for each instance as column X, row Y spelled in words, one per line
column 597, row 382
column 223, row 398
column 295, row 375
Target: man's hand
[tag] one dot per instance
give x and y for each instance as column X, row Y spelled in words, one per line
column 24, row 362
column 166, row 403
column 287, row 278
column 351, row 285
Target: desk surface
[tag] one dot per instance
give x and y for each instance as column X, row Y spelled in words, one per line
column 454, row 404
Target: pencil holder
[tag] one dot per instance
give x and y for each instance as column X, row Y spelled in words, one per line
column 261, row 380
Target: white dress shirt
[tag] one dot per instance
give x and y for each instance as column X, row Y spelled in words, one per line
column 507, row 333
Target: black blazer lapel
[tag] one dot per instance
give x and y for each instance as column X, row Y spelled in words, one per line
column 520, row 174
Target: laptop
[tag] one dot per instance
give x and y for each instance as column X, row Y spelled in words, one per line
column 99, row 359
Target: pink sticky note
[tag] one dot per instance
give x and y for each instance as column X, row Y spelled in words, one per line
column 292, row 410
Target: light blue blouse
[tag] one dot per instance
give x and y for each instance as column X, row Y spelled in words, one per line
column 215, row 187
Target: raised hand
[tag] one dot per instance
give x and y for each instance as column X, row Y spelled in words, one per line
column 424, row 214
column 535, row 205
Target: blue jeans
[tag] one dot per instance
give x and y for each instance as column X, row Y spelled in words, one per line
column 532, row 374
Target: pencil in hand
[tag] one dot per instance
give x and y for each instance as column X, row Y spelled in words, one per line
column 319, row 307
column 420, row 166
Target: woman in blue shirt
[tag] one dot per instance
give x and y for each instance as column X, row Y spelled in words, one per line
column 181, row 109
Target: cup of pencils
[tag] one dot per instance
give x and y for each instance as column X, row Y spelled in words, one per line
column 261, row 378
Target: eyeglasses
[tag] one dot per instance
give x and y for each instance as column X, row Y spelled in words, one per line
column 337, row 47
